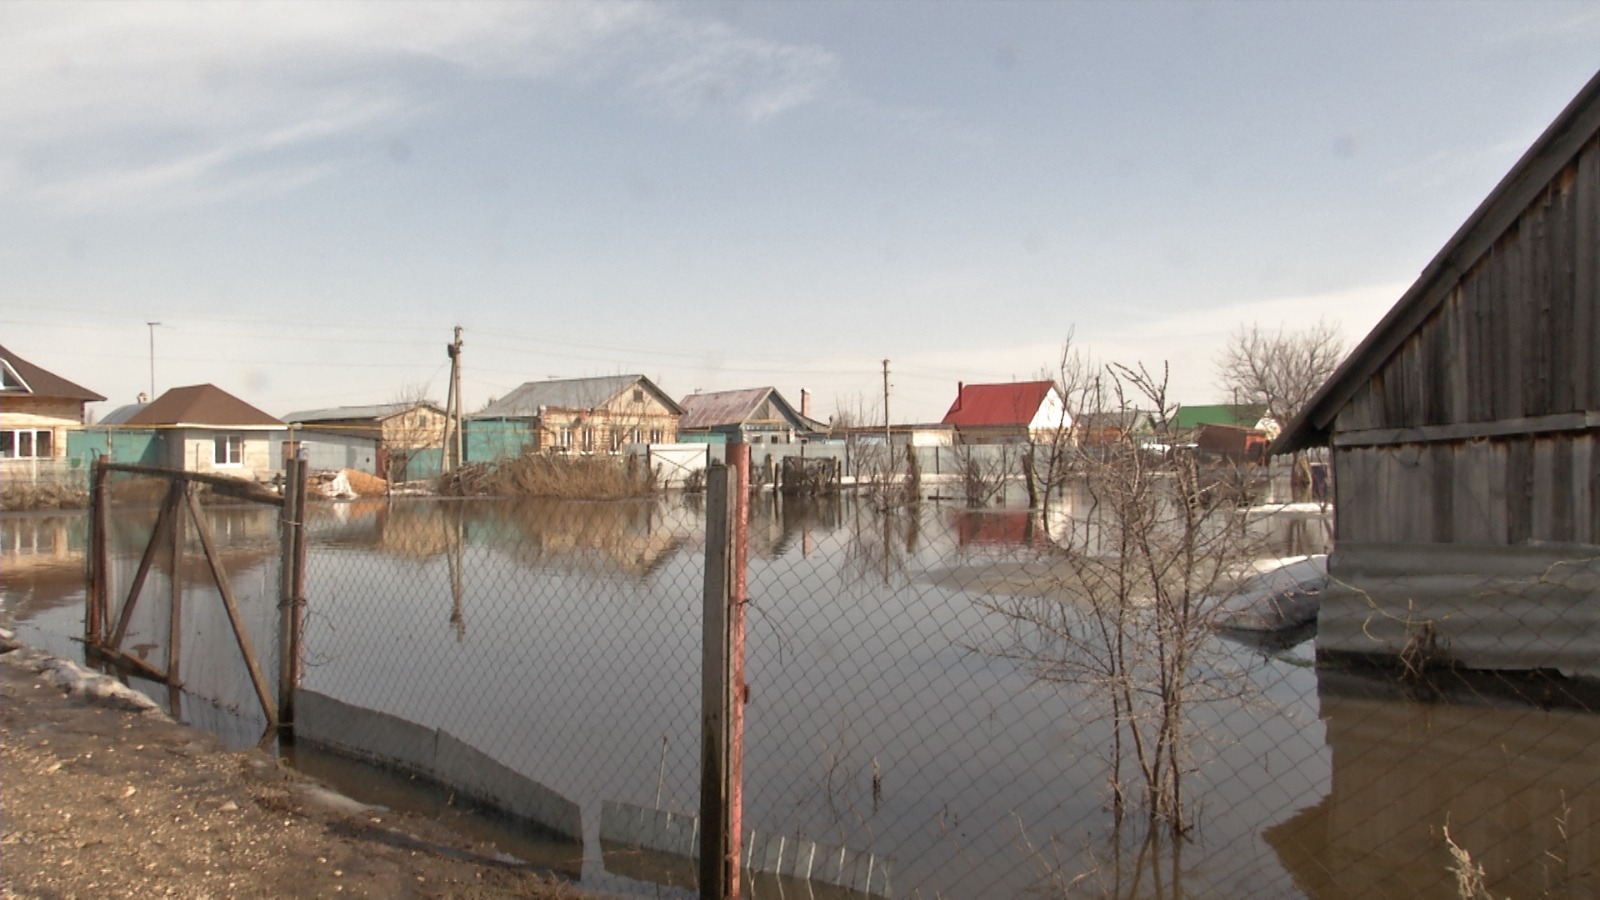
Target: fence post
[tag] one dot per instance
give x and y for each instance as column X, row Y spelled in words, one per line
column 94, row 621
column 722, row 679
column 180, row 518
column 291, row 603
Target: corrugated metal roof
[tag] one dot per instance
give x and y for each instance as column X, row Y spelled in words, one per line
column 344, row 413
column 201, row 404
column 40, row 383
column 980, row 405
column 121, row 414
column 715, row 408
column 568, row 393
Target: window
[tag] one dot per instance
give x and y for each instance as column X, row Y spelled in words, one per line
column 638, row 395
column 27, row 443
column 655, row 435
column 588, row 439
column 566, row 438
column 229, row 450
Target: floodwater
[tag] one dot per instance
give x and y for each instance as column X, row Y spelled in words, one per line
column 560, row 642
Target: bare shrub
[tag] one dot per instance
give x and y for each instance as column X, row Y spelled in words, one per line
column 1136, row 585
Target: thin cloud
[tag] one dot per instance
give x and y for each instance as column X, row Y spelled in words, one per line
column 115, row 106
column 704, row 65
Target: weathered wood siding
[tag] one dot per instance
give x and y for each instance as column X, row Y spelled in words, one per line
column 1516, row 335
column 1484, row 427
column 1487, row 492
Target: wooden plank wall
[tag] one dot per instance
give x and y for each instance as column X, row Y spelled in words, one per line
column 1516, row 336
column 1514, row 340
column 1488, row 492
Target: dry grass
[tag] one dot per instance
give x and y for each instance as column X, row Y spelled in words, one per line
column 562, row 477
column 17, row 498
column 366, row 485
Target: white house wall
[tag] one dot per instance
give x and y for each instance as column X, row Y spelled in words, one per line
column 1052, row 414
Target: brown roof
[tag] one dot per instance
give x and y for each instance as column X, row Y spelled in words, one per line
column 201, row 404
column 40, row 383
column 720, row 407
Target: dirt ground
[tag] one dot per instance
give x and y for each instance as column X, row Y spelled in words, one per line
column 102, row 798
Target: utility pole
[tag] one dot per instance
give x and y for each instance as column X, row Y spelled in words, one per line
column 452, row 409
column 152, row 359
column 455, row 374
column 886, row 442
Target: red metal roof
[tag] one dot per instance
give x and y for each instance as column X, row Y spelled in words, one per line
column 979, row 405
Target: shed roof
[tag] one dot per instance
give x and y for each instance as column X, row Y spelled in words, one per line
column 1574, row 127
column 204, row 405
column 346, row 413
column 568, row 393
column 1015, row 403
column 121, row 414
column 32, row 381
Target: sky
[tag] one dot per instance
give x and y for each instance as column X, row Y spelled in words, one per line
column 309, row 198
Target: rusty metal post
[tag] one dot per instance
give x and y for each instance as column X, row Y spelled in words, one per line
column 740, row 451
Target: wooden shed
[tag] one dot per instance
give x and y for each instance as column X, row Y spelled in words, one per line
column 1465, row 434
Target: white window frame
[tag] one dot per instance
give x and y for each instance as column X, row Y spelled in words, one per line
column 32, row 434
column 227, row 451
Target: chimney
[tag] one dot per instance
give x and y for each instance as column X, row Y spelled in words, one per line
column 143, row 397
column 961, row 389
column 805, row 403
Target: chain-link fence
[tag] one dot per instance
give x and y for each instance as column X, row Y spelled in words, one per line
column 1092, row 696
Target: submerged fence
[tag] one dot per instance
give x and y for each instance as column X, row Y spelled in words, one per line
column 1088, row 697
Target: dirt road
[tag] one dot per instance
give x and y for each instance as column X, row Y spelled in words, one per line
column 104, row 796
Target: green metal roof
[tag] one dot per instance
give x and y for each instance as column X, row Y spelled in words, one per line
column 1242, row 414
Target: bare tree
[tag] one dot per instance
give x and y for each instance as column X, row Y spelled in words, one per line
column 1280, row 370
column 416, row 425
column 1139, row 580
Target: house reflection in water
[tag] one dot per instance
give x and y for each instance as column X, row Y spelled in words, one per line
column 1010, row 528
column 1518, row 788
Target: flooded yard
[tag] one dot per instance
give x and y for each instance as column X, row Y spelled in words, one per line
column 561, row 642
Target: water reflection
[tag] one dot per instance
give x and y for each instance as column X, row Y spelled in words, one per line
column 1515, row 786
column 561, row 640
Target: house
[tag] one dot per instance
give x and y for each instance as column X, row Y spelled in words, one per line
column 1106, row 429
column 1188, row 420
column 37, row 411
column 399, row 441
column 202, row 428
column 574, row 415
column 1017, row 412
column 759, row 415
column 1465, row 434
column 1233, row 444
